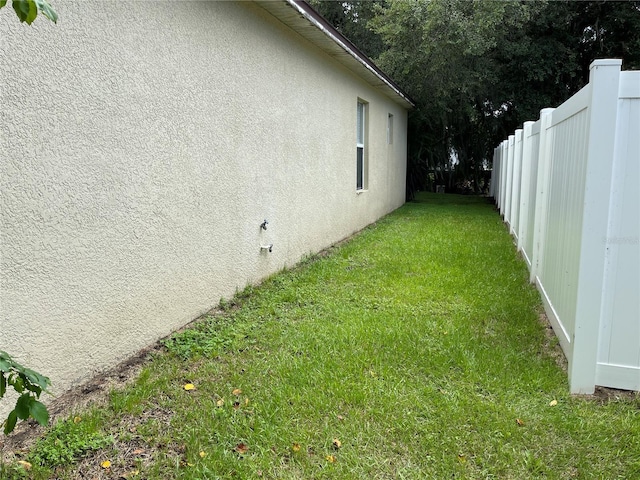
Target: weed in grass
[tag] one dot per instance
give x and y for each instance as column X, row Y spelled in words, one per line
column 67, row 441
column 209, row 337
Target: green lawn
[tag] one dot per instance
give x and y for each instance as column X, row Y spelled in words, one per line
column 415, row 350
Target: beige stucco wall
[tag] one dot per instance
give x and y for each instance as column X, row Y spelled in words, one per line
column 142, row 144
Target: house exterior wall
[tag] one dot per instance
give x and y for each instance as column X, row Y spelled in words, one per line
column 143, row 143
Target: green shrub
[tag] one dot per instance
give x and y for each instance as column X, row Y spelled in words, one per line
column 29, row 385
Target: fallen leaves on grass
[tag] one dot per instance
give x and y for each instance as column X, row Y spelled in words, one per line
column 337, row 443
column 553, row 403
column 26, row 465
column 189, row 386
column 236, row 392
column 241, row 448
column 106, row 464
column 331, row 458
column 202, row 454
column 295, row 447
column 519, row 422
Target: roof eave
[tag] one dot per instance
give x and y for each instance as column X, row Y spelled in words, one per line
column 312, row 26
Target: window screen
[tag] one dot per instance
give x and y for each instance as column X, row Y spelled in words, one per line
column 360, row 146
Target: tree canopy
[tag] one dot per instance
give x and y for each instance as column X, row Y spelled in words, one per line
column 478, row 69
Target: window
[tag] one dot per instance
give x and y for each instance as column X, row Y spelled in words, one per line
column 390, row 129
column 360, row 145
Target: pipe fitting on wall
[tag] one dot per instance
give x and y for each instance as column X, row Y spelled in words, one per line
column 264, row 224
column 267, row 247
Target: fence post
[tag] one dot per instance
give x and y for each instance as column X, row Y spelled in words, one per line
column 542, row 186
column 604, row 81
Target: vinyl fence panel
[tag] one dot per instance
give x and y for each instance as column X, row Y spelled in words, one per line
column 508, row 198
column 618, row 353
column 503, row 174
column 517, row 180
column 530, row 149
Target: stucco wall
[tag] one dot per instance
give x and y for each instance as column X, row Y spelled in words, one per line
column 142, row 145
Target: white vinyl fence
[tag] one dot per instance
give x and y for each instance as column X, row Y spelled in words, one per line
column 568, row 189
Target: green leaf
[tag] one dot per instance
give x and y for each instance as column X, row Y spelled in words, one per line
column 3, row 3
column 34, row 378
column 26, row 10
column 33, row 11
column 39, row 412
column 47, row 10
column 17, row 381
column 23, row 406
column 3, row 385
column 34, row 388
column 10, row 424
column 5, row 362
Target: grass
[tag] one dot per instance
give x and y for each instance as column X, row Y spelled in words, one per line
column 415, row 350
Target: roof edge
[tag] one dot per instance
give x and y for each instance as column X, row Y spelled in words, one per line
column 306, row 11
column 321, row 23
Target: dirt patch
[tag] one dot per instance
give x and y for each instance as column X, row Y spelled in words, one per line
column 551, row 345
column 606, row 395
column 134, row 452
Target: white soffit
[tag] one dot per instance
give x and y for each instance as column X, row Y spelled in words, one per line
column 303, row 19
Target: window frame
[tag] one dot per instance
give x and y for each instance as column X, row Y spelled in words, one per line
column 361, row 145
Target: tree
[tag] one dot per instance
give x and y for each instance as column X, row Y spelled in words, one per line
column 27, row 10
column 351, row 18
column 441, row 53
column 478, row 69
